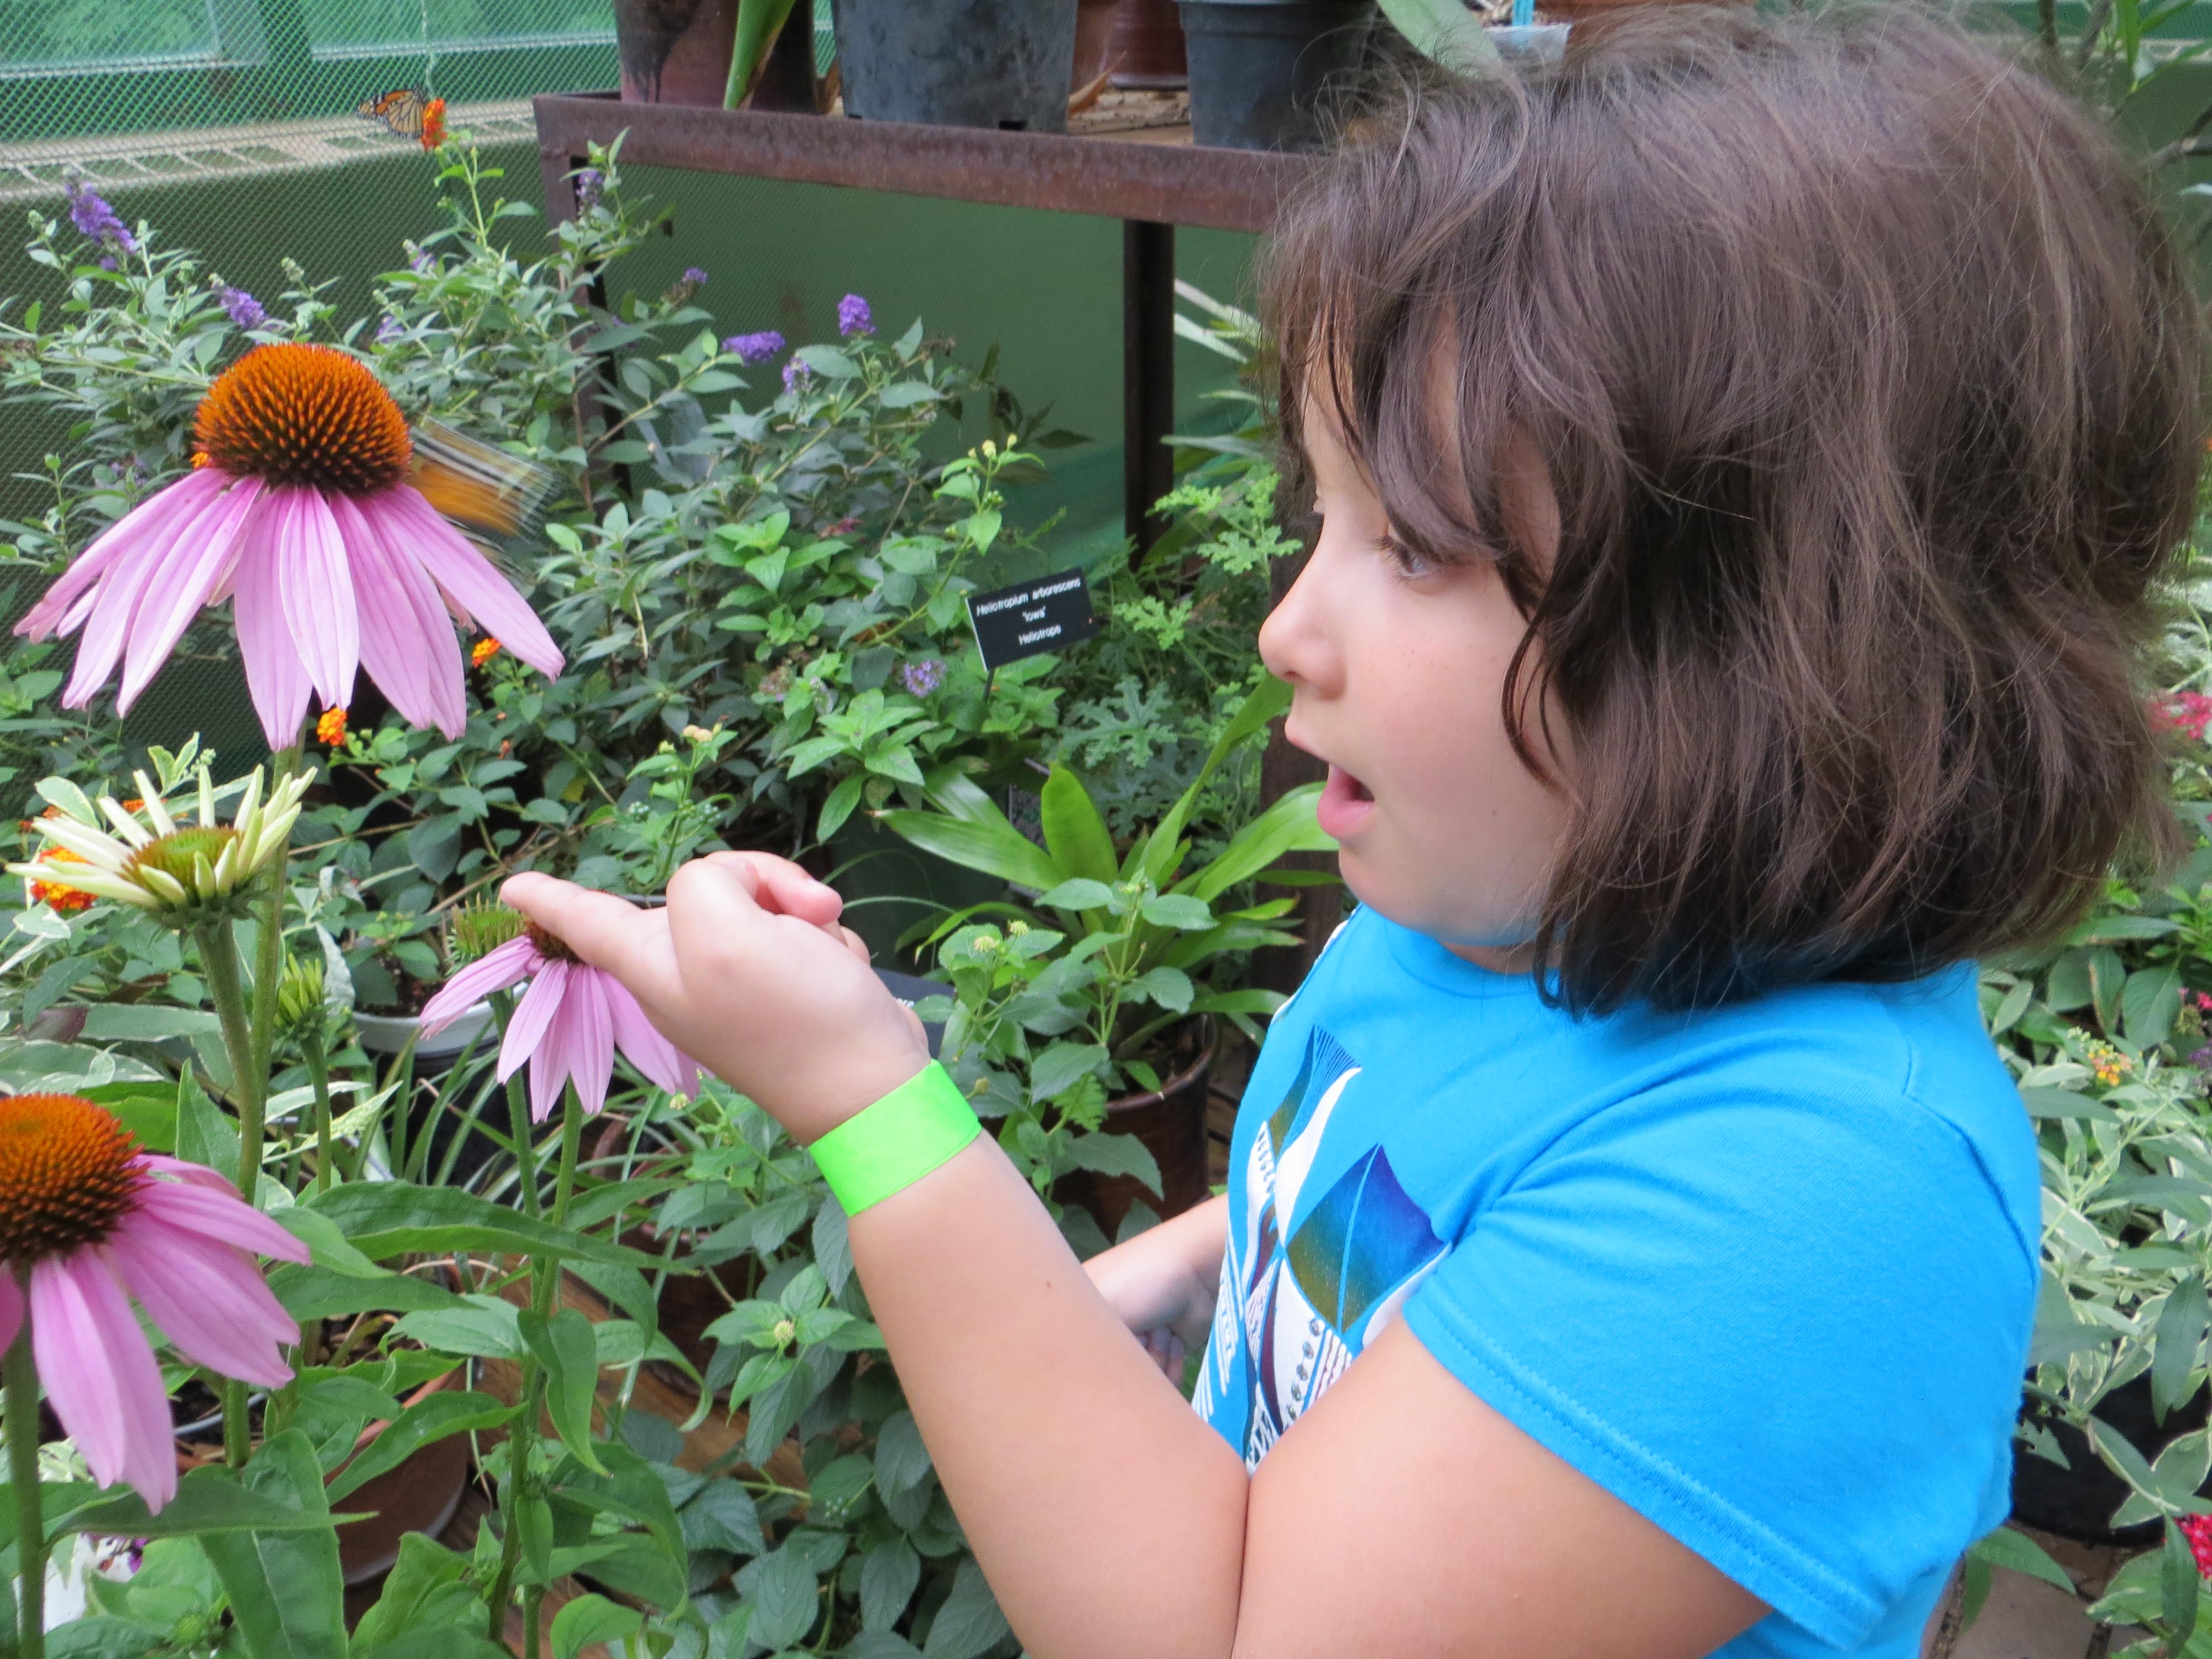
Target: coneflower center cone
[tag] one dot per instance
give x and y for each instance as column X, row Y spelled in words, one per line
column 65, row 1174
column 177, row 854
column 552, row 948
column 297, row 414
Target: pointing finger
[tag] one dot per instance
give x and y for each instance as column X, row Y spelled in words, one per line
column 605, row 931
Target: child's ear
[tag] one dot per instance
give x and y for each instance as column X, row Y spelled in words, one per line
column 1526, row 504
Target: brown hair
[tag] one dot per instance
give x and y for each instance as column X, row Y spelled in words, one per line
column 1867, row 381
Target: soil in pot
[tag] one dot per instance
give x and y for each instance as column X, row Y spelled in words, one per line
column 1262, row 72
column 957, row 63
column 1171, row 1122
column 675, row 51
column 2077, row 1502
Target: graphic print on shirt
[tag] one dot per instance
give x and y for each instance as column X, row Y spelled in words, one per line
column 1298, row 1303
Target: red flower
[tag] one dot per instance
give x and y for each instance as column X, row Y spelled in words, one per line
column 2186, row 712
column 434, row 124
column 2198, row 1529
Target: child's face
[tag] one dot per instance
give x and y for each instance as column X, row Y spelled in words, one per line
column 1398, row 672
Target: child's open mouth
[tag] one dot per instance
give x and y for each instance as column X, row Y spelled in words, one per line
column 1345, row 803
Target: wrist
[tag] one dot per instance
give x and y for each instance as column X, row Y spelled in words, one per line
column 897, row 1141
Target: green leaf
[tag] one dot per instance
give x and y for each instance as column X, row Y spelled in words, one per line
column 783, row 1589
column 1076, row 893
column 722, row 1516
column 828, row 360
column 997, row 849
column 759, row 23
column 970, row 1622
column 1183, row 911
column 1445, row 30
column 482, row 1325
column 839, row 806
column 2048, row 1104
column 312, row 1293
column 206, row 1133
column 590, row 1618
column 567, row 1348
column 2177, row 1584
column 1116, row 1155
column 1062, row 1065
column 428, row 1420
column 1170, row 988
column 423, row 1594
column 2181, row 1333
column 2016, row 1552
column 1156, row 855
column 902, row 1461
column 1074, row 832
column 209, row 1502
column 889, row 1574
column 2148, row 1002
column 630, row 1489
column 384, row 1218
column 286, row 1594
column 1288, row 826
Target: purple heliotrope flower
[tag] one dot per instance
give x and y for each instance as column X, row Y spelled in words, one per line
column 794, row 373
column 96, row 221
column 921, row 678
column 696, row 275
column 245, row 310
column 754, row 348
column 568, row 1025
column 853, row 317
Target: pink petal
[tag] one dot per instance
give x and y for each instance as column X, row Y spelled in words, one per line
column 208, row 1299
column 200, row 1174
column 202, row 553
column 147, row 519
column 274, row 673
column 659, row 1060
column 495, row 971
column 406, row 639
column 99, row 1375
column 11, row 1308
column 551, row 1061
column 317, row 588
column 200, row 1210
column 591, row 1036
column 533, row 1016
column 147, row 566
column 413, row 527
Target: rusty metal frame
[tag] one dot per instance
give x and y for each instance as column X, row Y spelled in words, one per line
column 1152, row 181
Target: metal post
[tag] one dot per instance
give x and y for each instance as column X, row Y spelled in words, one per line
column 1147, row 374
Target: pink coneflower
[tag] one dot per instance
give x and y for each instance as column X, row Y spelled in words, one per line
column 88, row 1221
column 568, row 1023
column 302, row 515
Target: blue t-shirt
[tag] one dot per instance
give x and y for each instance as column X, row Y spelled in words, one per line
column 1766, row 1273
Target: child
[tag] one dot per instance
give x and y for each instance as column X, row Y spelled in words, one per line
column 1742, row 455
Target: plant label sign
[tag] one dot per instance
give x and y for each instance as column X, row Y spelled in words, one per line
column 1048, row 614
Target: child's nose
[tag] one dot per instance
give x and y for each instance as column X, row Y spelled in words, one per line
column 1294, row 641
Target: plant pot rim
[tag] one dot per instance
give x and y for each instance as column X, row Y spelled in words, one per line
column 1209, row 1041
column 394, row 1030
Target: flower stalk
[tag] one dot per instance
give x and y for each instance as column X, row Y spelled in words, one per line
column 21, row 1405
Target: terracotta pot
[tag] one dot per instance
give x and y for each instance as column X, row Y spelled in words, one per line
column 675, row 51
column 1094, row 41
column 1171, row 1122
column 1147, row 40
column 420, row 1495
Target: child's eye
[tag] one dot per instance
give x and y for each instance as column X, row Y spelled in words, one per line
column 1409, row 563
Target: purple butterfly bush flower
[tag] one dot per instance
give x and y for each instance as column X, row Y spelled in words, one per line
column 754, row 348
column 390, row 330
column 796, row 374
column 695, row 276
column 589, row 185
column 94, row 220
column 853, row 317
column 921, row 678
column 423, row 263
column 245, row 310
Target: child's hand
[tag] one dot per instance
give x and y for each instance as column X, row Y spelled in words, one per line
column 1162, row 1283
column 747, row 970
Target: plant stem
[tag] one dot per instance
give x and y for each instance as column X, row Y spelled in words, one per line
column 318, row 1069
column 22, row 1410
column 518, row 1113
column 545, row 1276
column 219, row 960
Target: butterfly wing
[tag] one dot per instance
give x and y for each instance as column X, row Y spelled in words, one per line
column 400, row 110
column 482, row 487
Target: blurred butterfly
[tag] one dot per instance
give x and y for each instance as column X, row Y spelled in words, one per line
column 470, row 482
column 402, row 110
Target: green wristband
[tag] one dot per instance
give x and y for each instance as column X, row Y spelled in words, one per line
column 894, row 1143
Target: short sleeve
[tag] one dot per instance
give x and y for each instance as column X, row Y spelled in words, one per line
column 1788, row 1329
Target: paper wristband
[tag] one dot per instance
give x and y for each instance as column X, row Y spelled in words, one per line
column 894, row 1143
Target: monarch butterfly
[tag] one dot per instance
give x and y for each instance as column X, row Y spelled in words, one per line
column 483, row 487
column 402, row 110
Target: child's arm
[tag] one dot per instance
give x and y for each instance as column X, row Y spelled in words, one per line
column 1162, row 1283
column 1400, row 1515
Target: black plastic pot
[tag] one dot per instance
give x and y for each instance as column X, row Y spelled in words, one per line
column 1262, row 71
column 957, row 63
column 2077, row 1502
